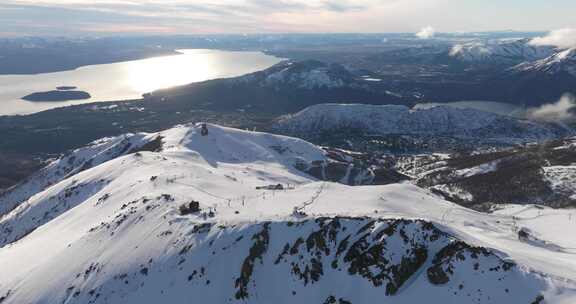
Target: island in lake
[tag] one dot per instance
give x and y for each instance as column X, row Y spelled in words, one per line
column 61, row 94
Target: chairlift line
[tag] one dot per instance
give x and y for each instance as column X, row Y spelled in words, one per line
column 243, row 198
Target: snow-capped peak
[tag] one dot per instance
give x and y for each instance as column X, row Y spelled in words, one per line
column 509, row 52
column 237, row 146
column 225, row 145
column 562, row 61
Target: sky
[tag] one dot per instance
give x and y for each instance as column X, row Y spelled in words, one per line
column 113, row 17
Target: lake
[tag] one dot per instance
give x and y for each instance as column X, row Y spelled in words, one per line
column 129, row 79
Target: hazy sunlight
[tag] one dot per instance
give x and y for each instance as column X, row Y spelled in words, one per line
column 162, row 72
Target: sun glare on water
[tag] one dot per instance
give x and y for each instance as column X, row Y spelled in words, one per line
column 156, row 73
column 129, row 79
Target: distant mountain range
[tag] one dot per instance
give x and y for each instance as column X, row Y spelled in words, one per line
column 544, row 79
column 523, row 74
column 561, row 62
column 476, row 53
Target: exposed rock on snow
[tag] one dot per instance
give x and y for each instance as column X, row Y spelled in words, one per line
column 562, row 179
column 533, row 174
column 352, row 168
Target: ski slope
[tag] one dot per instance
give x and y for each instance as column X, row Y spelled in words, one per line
column 113, row 233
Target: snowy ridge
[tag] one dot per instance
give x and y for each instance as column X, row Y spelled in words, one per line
column 560, row 62
column 500, row 52
column 116, row 233
column 225, row 145
column 76, row 161
column 391, row 119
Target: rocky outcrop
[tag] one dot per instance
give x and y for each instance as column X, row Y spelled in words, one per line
column 539, row 174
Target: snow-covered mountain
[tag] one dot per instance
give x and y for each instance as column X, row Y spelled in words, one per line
column 562, row 62
column 308, row 74
column 436, row 121
column 336, row 165
column 499, row 52
column 283, row 88
column 127, row 230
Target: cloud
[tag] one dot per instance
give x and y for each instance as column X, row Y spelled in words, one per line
column 108, row 18
column 278, row 4
column 71, row 17
column 564, row 110
column 262, row 16
column 342, row 6
column 426, row 33
column 562, row 38
column 277, row 16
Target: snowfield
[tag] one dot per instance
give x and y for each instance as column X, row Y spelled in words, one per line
column 109, row 229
